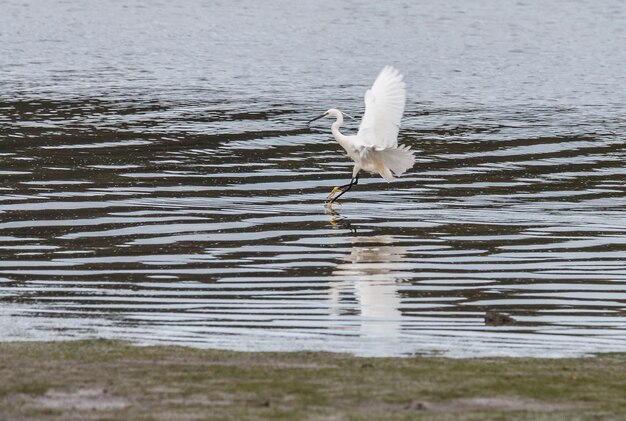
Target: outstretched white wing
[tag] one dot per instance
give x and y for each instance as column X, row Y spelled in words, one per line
column 384, row 105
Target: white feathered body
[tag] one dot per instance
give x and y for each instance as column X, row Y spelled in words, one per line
column 375, row 147
column 388, row 162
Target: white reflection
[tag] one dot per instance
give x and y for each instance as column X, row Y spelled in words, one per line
column 368, row 283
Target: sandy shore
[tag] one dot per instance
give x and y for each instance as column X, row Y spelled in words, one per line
column 105, row 380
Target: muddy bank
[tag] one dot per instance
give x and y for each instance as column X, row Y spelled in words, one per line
column 116, row 381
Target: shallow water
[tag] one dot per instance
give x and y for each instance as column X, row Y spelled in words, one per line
column 158, row 181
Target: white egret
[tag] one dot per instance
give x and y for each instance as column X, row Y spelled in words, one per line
column 375, row 147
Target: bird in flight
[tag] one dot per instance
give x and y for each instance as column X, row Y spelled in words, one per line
column 375, row 147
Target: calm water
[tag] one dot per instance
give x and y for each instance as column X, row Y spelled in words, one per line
column 158, row 182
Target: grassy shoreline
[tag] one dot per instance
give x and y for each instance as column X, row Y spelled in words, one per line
column 109, row 380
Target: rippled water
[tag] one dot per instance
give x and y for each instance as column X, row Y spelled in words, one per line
column 158, row 181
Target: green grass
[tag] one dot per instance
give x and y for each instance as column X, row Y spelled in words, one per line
column 105, row 380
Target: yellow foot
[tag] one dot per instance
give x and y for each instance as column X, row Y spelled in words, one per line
column 332, row 193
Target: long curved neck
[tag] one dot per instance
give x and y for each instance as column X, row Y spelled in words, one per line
column 336, row 125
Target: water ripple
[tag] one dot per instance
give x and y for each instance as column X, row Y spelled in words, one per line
column 178, row 197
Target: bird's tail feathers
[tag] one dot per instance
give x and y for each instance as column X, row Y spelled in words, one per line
column 398, row 160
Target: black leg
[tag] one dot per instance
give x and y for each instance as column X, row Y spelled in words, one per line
column 344, row 189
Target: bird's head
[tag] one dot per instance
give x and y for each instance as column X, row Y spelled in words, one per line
column 332, row 113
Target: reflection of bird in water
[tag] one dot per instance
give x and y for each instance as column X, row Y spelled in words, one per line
column 368, row 273
column 375, row 147
column 338, row 221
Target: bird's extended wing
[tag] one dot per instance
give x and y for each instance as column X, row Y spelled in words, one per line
column 384, row 105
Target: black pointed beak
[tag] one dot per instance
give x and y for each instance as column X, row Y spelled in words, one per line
column 316, row 118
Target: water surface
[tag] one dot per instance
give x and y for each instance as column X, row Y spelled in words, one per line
column 158, row 182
